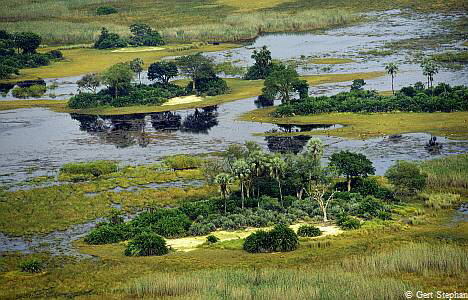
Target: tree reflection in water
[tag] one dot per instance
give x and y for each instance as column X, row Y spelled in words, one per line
column 128, row 130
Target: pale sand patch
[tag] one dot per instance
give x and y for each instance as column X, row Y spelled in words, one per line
column 183, row 100
column 191, row 243
column 138, row 49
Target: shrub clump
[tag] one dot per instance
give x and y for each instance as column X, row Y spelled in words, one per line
column 168, row 222
column 211, row 239
column 28, row 92
column 183, row 162
column 347, row 222
column 87, row 170
column 105, row 10
column 107, row 233
column 146, row 244
column 309, row 231
column 406, row 177
column 280, row 239
column 31, row 266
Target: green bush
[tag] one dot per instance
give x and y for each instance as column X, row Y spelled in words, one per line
column 211, row 239
column 28, row 92
column 105, row 10
column 31, row 265
column 168, row 222
column 406, row 177
column 347, row 222
column 146, row 244
column 370, row 207
column 280, row 239
column 107, row 40
column 183, row 162
column 107, row 234
column 88, row 169
column 309, row 231
column 411, row 100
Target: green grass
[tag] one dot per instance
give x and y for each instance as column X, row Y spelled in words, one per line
column 16, row 104
column 447, row 172
column 377, row 52
column 364, row 126
column 266, row 284
column 451, row 57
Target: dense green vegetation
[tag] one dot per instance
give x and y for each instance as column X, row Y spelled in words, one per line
column 18, row 51
column 120, row 90
column 442, row 98
column 142, row 35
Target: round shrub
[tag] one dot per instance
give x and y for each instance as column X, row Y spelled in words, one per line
column 146, row 244
column 259, row 241
column 281, row 238
column 211, row 239
column 107, row 234
column 346, row 222
column 285, row 239
column 406, row 177
column 55, row 54
column 31, row 265
column 197, row 229
column 309, row 231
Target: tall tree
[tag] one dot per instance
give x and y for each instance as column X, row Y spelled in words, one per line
column 258, row 162
column 429, row 70
column 89, row 82
column 27, row 42
column 162, row 71
column 144, row 35
column 223, row 180
column 137, row 66
column 277, row 169
column 392, row 69
column 197, row 67
column 262, row 66
column 282, row 80
column 314, row 149
column 243, row 173
column 351, row 165
column 118, row 77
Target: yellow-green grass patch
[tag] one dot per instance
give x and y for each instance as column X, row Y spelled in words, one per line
column 15, row 104
column 364, row 126
column 88, row 60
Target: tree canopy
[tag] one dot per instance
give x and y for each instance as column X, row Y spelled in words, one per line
column 162, row 71
column 262, row 66
column 351, row 165
column 284, row 81
column 118, row 77
column 144, row 35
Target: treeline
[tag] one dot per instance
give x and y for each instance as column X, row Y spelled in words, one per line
column 121, row 90
column 19, row 50
column 142, row 35
column 417, row 98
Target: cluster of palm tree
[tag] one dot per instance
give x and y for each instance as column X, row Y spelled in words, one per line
column 246, row 165
column 429, row 68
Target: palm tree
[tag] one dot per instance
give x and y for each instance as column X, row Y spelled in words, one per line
column 258, row 162
column 392, row 69
column 277, row 168
column 223, row 179
column 242, row 172
column 314, row 149
column 429, row 70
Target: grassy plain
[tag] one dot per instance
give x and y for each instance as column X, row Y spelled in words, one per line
column 364, row 126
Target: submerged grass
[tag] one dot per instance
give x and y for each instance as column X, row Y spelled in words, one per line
column 42, row 210
column 363, row 126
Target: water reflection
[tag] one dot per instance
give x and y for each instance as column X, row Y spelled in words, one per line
column 134, row 129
